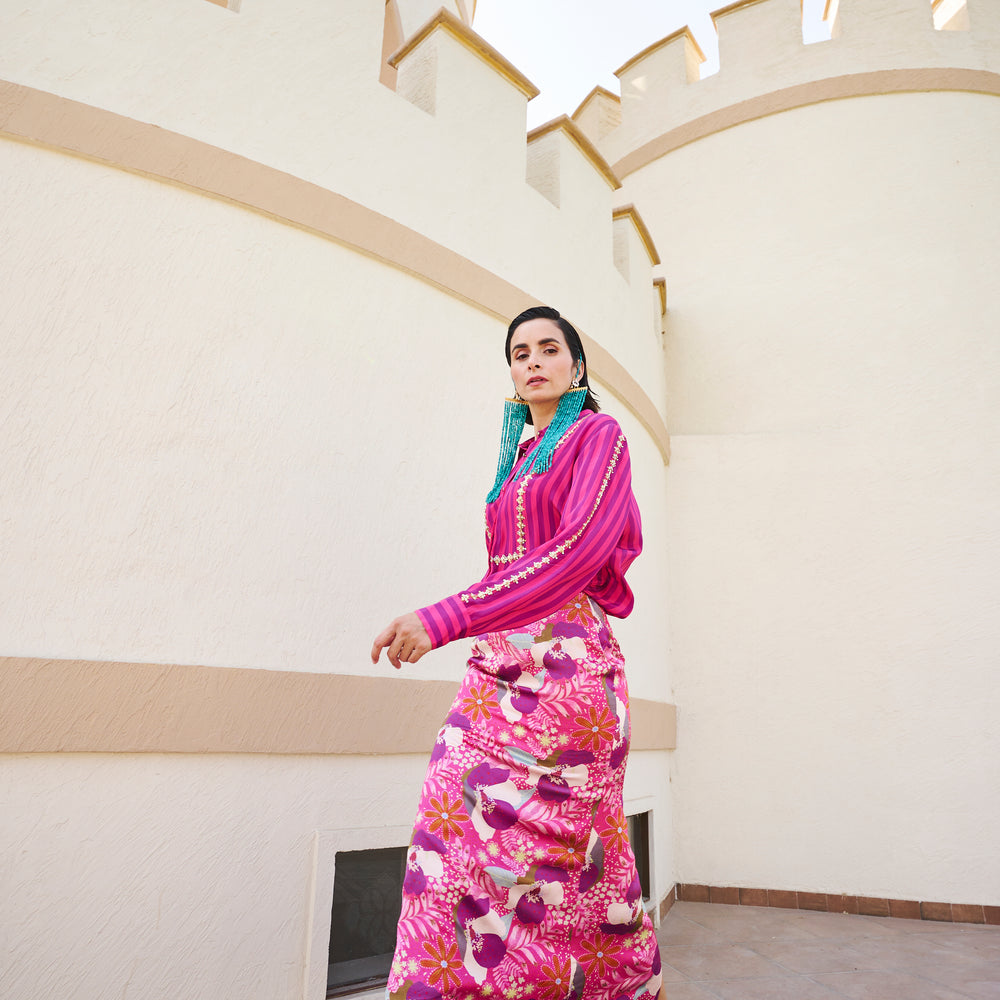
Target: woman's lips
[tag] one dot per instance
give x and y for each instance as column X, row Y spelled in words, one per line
column 537, row 380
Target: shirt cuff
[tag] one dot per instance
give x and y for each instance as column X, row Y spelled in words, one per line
column 444, row 621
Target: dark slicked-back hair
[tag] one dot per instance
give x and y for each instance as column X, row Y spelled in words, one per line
column 573, row 342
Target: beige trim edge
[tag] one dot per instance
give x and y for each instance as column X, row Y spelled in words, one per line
column 875, row 83
column 94, row 706
column 660, row 284
column 660, row 43
column 575, row 135
column 474, row 42
column 45, row 119
column 732, row 8
column 629, row 211
column 598, row 91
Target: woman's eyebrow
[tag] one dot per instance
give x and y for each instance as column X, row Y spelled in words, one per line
column 544, row 340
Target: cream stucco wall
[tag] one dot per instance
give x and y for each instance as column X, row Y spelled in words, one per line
column 208, row 73
column 247, row 414
column 241, row 445
column 165, row 876
column 833, row 377
column 204, row 396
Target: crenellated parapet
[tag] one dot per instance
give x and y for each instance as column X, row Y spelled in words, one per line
column 417, row 156
column 452, row 74
column 878, row 46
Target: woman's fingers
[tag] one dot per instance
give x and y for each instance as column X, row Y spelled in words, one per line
column 394, row 651
column 404, row 639
column 383, row 639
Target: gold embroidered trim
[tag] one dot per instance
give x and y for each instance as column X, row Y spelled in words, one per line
column 560, row 549
column 521, row 529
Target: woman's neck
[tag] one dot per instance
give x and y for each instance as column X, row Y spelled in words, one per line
column 541, row 416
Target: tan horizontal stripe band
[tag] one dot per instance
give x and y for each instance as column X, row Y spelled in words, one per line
column 888, row 81
column 94, row 706
column 82, row 130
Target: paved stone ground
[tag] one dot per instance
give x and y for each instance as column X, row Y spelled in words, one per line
column 715, row 952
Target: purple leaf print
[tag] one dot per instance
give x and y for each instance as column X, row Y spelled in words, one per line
column 634, row 891
column 573, row 756
column 455, row 721
column 553, row 788
column 568, row 630
column 425, row 841
column 534, row 897
column 509, row 672
column 488, row 949
column 530, row 907
column 469, row 908
column 414, row 882
column 622, row 930
column 523, row 700
column 560, row 665
column 421, row 991
column 483, row 774
column 594, row 868
column 477, row 777
column 618, row 755
column 497, row 813
column 549, row 873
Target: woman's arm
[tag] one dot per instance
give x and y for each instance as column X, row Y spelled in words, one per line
column 595, row 514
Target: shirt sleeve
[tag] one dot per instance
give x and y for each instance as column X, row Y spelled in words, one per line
column 594, row 516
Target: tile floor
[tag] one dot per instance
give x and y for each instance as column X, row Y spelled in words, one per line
column 715, row 952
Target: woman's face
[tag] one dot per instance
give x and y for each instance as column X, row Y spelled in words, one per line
column 541, row 364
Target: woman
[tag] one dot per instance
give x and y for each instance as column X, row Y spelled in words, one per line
column 520, row 881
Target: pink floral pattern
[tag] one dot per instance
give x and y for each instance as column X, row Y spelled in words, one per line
column 521, row 883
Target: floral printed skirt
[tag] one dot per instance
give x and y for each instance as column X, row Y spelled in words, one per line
column 520, row 881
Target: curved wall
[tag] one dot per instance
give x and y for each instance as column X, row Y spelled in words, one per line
column 251, row 381
column 833, row 378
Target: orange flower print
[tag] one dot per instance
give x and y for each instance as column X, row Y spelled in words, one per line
column 596, row 728
column 578, row 610
column 597, row 955
column 555, row 981
column 615, row 833
column 479, row 703
column 442, row 815
column 441, row 962
column 568, row 853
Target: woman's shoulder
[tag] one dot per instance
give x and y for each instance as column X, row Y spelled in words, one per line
column 597, row 424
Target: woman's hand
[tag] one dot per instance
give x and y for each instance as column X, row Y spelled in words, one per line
column 406, row 638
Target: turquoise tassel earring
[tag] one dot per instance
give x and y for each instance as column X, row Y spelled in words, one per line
column 515, row 414
column 570, row 405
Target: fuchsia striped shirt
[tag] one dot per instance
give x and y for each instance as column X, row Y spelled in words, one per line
column 551, row 536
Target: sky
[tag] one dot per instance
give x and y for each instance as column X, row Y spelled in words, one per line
column 568, row 47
